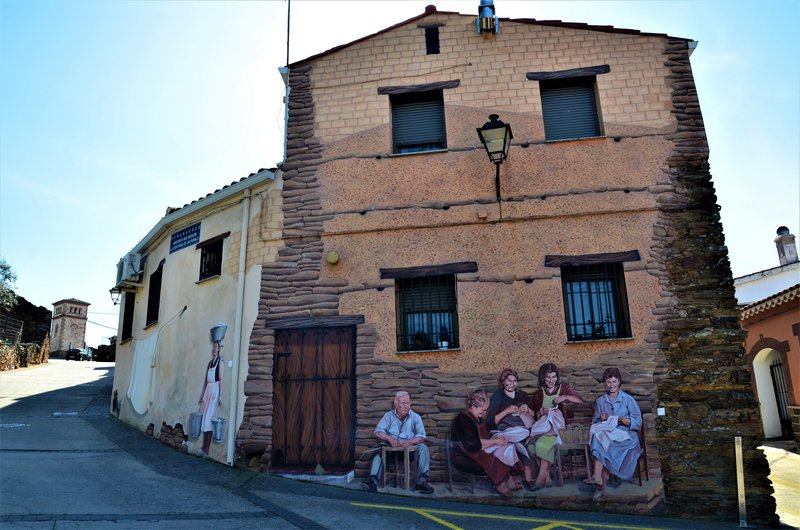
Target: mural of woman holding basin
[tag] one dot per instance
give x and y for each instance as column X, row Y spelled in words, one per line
column 210, row 397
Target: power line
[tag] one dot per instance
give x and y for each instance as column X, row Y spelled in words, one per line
column 101, row 325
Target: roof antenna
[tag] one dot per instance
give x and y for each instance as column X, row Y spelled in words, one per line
column 288, row 19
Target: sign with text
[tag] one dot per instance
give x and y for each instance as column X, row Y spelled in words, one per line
column 184, row 238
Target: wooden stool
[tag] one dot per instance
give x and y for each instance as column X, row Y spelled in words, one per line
column 406, row 452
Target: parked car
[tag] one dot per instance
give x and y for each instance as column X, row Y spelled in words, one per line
column 79, row 354
column 104, row 353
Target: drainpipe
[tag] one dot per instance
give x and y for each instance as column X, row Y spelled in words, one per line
column 237, row 328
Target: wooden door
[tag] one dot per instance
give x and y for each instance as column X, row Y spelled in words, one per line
column 314, row 398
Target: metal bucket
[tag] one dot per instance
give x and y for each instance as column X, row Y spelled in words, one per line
column 218, row 426
column 195, row 424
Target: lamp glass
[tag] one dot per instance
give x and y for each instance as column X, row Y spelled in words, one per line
column 495, row 140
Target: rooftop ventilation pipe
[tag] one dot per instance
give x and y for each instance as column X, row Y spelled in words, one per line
column 787, row 248
column 487, row 20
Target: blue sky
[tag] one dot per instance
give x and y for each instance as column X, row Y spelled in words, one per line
column 112, row 111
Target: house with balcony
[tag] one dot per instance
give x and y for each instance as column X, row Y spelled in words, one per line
column 591, row 238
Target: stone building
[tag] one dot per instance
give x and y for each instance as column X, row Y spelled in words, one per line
column 410, row 263
column 197, row 269
column 770, row 313
column 68, row 326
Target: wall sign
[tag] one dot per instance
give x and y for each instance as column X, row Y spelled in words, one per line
column 184, row 238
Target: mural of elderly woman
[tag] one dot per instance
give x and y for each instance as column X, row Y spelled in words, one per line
column 211, row 397
column 509, row 412
column 615, row 440
column 550, row 394
column 470, row 430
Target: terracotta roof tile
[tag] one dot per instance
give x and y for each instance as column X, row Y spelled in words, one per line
column 777, row 299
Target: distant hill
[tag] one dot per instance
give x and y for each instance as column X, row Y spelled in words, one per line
column 36, row 320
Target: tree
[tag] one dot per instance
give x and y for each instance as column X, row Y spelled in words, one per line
column 7, row 278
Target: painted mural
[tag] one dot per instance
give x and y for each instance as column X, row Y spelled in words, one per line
column 206, row 422
column 516, row 439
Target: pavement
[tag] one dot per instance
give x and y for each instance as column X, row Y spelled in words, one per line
column 784, row 464
column 66, row 463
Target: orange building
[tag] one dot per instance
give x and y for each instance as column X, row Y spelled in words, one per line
column 771, row 316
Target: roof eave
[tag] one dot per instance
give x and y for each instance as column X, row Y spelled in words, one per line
column 172, row 218
column 692, row 44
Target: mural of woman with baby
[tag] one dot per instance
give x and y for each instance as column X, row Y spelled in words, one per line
column 211, row 397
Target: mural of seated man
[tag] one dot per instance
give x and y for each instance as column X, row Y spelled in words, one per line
column 402, row 427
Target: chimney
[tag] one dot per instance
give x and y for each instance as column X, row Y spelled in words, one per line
column 787, row 248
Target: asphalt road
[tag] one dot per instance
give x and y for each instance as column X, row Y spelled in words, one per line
column 66, row 463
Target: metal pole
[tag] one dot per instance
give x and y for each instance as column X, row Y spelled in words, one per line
column 497, row 180
column 288, row 27
column 740, row 483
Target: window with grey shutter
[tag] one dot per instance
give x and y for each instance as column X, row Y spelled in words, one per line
column 569, row 108
column 418, row 121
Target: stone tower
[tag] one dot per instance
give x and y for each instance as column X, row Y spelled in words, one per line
column 68, row 327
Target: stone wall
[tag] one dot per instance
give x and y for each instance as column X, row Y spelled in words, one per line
column 706, row 388
column 794, row 414
column 35, row 319
column 21, row 355
column 291, row 285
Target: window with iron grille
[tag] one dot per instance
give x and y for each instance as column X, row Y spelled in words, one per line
column 569, row 108
column 418, row 121
column 127, row 316
column 211, row 256
column 154, row 295
column 595, row 302
column 427, row 313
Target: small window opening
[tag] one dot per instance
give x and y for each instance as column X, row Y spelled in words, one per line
column 432, row 40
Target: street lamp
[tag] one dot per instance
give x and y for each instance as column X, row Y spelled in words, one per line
column 496, row 138
column 115, row 295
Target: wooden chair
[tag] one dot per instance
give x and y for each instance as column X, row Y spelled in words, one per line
column 456, row 458
column 391, row 458
column 574, row 439
column 641, row 463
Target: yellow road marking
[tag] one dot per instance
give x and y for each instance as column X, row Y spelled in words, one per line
column 549, row 524
column 442, row 522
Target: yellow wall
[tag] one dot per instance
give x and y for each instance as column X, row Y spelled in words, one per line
column 183, row 348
